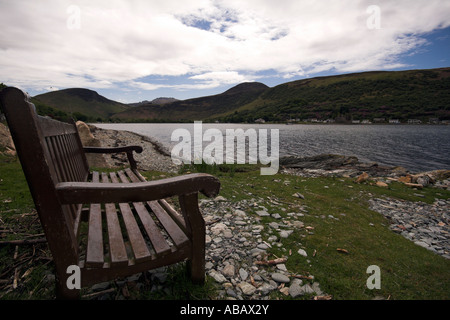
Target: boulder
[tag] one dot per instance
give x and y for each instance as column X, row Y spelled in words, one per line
column 362, row 178
column 88, row 140
column 382, row 184
column 405, row 179
column 323, row 161
column 6, row 142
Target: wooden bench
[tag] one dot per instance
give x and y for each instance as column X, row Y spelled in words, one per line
column 110, row 225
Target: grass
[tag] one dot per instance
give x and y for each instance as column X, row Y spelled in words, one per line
column 407, row 270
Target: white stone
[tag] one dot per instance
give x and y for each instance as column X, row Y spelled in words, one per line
column 247, row 288
column 302, row 252
column 217, row 276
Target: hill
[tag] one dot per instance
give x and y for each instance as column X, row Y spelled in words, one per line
column 161, row 100
column 198, row 108
column 418, row 94
column 81, row 101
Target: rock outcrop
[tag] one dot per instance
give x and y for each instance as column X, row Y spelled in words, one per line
column 331, row 164
column 88, row 140
column 6, row 143
column 351, row 167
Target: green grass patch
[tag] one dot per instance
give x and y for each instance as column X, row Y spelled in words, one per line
column 14, row 191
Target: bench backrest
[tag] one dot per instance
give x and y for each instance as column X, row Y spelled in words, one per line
column 50, row 152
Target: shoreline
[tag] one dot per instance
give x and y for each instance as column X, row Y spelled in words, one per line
column 153, row 157
column 157, row 157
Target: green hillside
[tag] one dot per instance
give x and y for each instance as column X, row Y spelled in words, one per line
column 418, row 94
column 81, row 101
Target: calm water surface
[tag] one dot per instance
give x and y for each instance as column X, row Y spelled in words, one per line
column 415, row 147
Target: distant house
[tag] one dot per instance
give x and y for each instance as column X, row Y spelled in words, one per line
column 433, row 120
column 260, row 120
column 414, row 121
column 394, row 121
column 366, row 121
column 356, row 121
column 378, row 120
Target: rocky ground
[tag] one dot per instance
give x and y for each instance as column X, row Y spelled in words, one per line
column 236, row 252
column 237, row 255
column 425, row 224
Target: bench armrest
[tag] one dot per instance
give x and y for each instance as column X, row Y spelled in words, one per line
column 90, row 192
column 128, row 149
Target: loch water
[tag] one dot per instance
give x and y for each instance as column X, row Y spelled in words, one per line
column 417, row 148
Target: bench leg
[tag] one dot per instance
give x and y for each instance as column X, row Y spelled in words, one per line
column 196, row 265
column 196, row 224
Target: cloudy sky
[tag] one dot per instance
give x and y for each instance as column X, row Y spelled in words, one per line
column 131, row 51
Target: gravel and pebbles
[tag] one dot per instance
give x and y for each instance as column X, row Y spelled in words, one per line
column 427, row 225
column 155, row 157
column 236, row 252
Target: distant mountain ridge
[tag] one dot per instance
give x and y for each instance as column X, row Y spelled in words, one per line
column 411, row 94
column 159, row 101
column 196, row 108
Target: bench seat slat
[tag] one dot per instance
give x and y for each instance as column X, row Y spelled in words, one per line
column 174, row 231
column 164, row 215
column 116, row 244
column 132, row 176
column 138, row 244
column 174, row 214
column 94, row 251
column 159, row 244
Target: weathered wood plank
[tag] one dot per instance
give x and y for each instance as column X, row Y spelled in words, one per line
column 52, row 127
column 52, row 152
column 58, row 159
column 116, row 244
column 159, row 244
column 132, row 176
column 158, row 241
column 94, row 251
column 174, row 231
column 174, row 214
column 64, row 158
column 138, row 244
column 123, row 177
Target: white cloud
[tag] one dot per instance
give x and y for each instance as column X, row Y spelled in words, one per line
column 116, row 43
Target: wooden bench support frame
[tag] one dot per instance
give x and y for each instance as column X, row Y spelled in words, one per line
column 129, row 227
